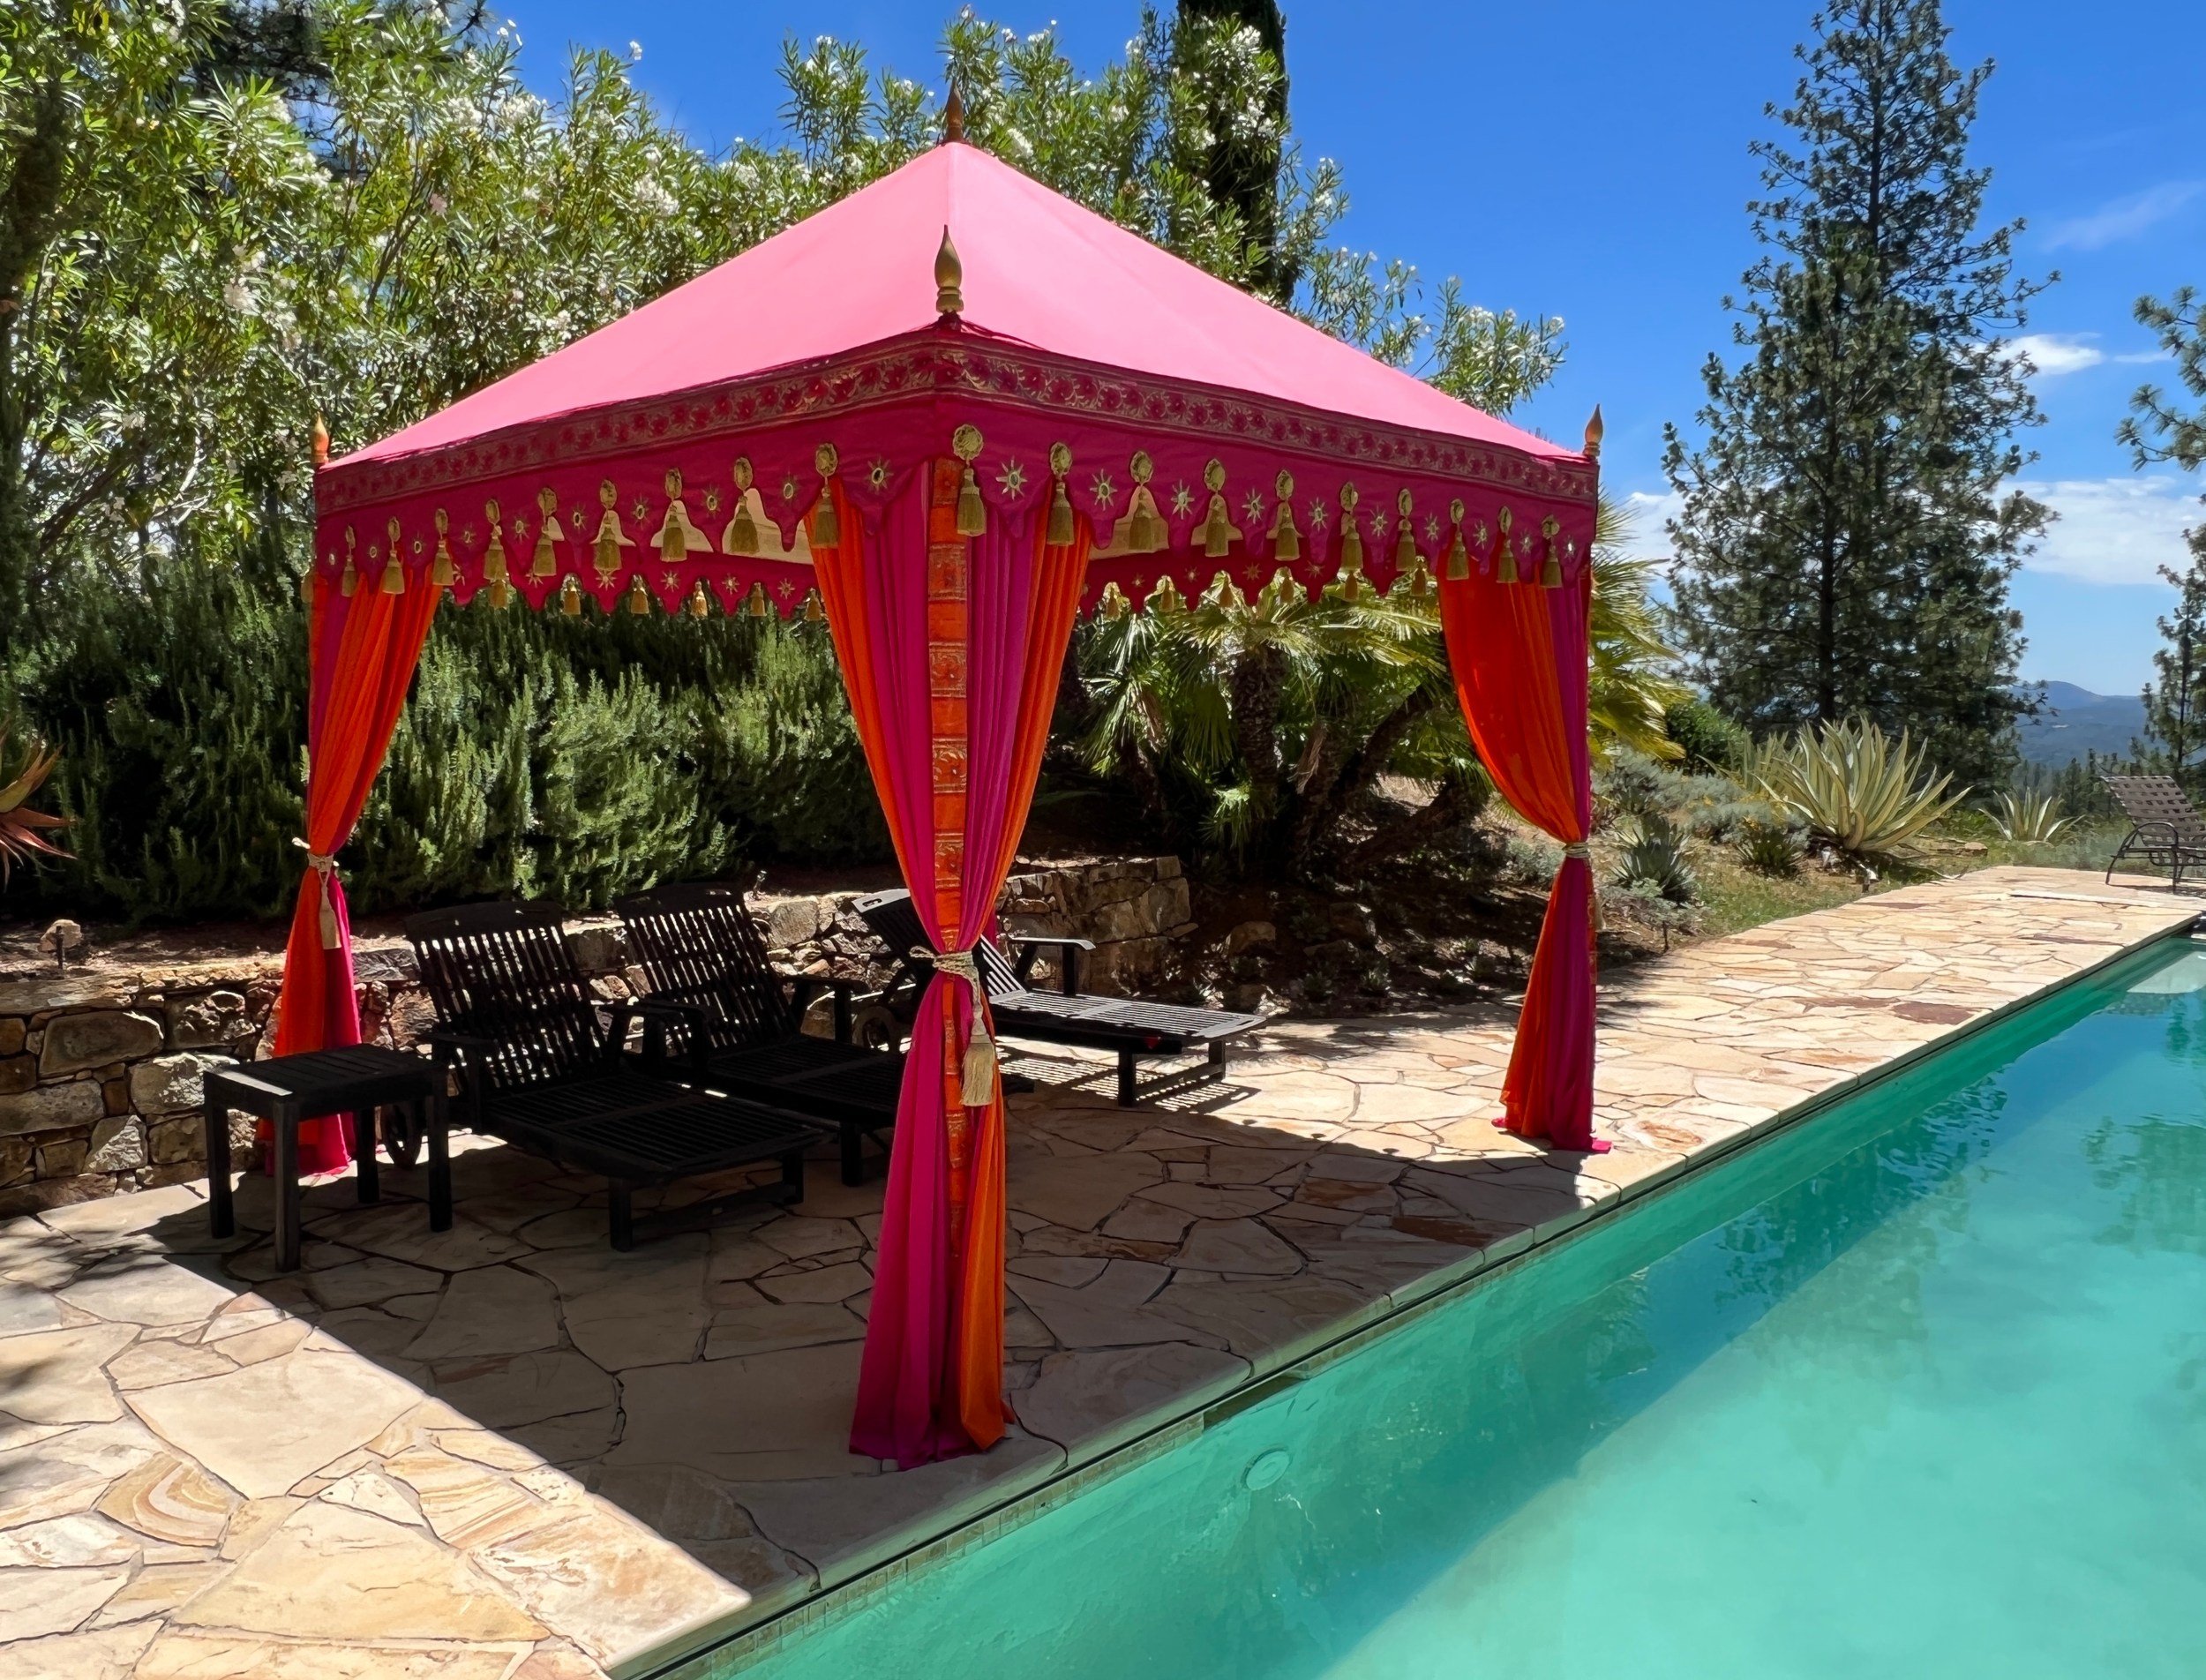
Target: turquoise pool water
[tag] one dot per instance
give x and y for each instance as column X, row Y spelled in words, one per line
column 1918, row 1388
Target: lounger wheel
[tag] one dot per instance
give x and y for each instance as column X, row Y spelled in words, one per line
column 402, row 1136
column 876, row 1028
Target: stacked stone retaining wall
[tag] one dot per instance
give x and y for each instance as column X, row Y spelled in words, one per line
column 101, row 1068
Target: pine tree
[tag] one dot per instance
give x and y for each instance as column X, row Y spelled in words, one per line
column 2175, row 705
column 1848, row 529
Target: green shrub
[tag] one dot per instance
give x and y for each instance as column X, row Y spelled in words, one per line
column 1631, row 784
column 1711, row 741
column 1768, row 847
column 576, row 759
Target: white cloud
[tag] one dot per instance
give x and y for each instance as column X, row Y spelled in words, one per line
column 2116, row 530
column 2123, row 218
column 1646, row 514
column 2053, row 353
column 2140, row 358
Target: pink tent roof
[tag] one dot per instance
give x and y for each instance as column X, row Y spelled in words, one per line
column 1041, row 272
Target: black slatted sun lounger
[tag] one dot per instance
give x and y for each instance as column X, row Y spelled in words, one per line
column 1128, row 1027
column 2165, row 827
column 700, row 950
column 538, row 1065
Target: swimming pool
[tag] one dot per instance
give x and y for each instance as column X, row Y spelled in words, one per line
column 1917, row 1387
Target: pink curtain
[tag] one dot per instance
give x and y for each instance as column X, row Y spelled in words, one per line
column 950, row 645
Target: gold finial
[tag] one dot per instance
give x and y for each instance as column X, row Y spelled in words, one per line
column 1593, row 430
column 954, row 114
column 949, row 278
column 321, row 442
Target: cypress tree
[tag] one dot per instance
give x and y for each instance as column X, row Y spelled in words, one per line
column 1847, row 528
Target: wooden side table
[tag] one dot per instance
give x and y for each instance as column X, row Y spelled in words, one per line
column 286, row 1090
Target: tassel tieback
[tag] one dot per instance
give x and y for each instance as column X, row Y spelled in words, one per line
column 976, row 1077
column 325, row 865
column 1584, row 853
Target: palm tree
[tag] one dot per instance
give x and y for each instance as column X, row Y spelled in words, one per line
column 1629, row 688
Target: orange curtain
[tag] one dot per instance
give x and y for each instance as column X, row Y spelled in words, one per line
column 949, row 646
column 362, row 651
column 1518, row 653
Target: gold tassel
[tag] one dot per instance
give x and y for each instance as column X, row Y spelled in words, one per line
column 571, row 597
column 754, row 602
column 610, row 538
column 1405, row 535
column 442, row 574
column 500, row 592
column 1059, row 532
column 494, row 558
column 1113, row 602
column 1351, row 539
column 700, row 606
column 972, row 513
column 639, row 597
column 1505, row 555
column 393, row 569
column 306, row 586
column 1551, row 573
column 1286, row 542
column 742, row 533
column 814, row 610
column 1284, row 589
column 1146, row 533
column 1419, row 582
column 1225, row 593
column 827, row 527
column 976, row 1075
column 548, row 532
column 1219, row 533
column 1458, row 565
column 1166, row 597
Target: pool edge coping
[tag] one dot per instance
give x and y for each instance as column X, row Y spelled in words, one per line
column 727, row 1645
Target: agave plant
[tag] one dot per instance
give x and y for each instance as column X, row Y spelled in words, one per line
column 2031, row 819
column 1854, row 789
column 23, row 831
column 1655, row 858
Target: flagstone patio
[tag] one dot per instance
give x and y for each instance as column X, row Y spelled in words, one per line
column 506, row 1452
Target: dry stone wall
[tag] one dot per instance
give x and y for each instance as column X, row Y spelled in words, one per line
column 101, row 1069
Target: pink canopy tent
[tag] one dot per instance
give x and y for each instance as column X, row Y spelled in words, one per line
column 949, row 412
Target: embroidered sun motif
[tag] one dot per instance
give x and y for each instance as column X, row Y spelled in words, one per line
column 1570, row 548
column 418, row 545
column 784, row 588
column 1478, row 534
column 1012, row 480
column 1318, row 513
column 1378, row 524
column 1253, row 509
column 520, row 529
column 712, row 502
column 789, row 489
column 373, row 551
column 1524, row 543
column 877, row 475
column 670, row 581
column 1104, row 491
column 642, row 511
column 1183, row 499
column 467, row 536
column 1432, row 528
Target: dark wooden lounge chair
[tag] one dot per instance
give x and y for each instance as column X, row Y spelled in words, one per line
column 2165, row 827
column 1128, row 1026
column 539, row 1066
column 699, row 949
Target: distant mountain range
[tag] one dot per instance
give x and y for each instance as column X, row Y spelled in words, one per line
column 2074, row 721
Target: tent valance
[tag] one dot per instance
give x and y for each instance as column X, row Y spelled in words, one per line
column 699, row 502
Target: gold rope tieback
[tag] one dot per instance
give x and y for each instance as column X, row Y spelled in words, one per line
column 976, row 1078
column 325, row 865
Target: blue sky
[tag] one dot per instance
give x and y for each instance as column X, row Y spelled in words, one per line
column 1590, row 160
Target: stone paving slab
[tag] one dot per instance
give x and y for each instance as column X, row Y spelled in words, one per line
column 504, row 1452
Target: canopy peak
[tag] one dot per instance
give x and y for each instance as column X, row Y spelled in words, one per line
column 1593, row 430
